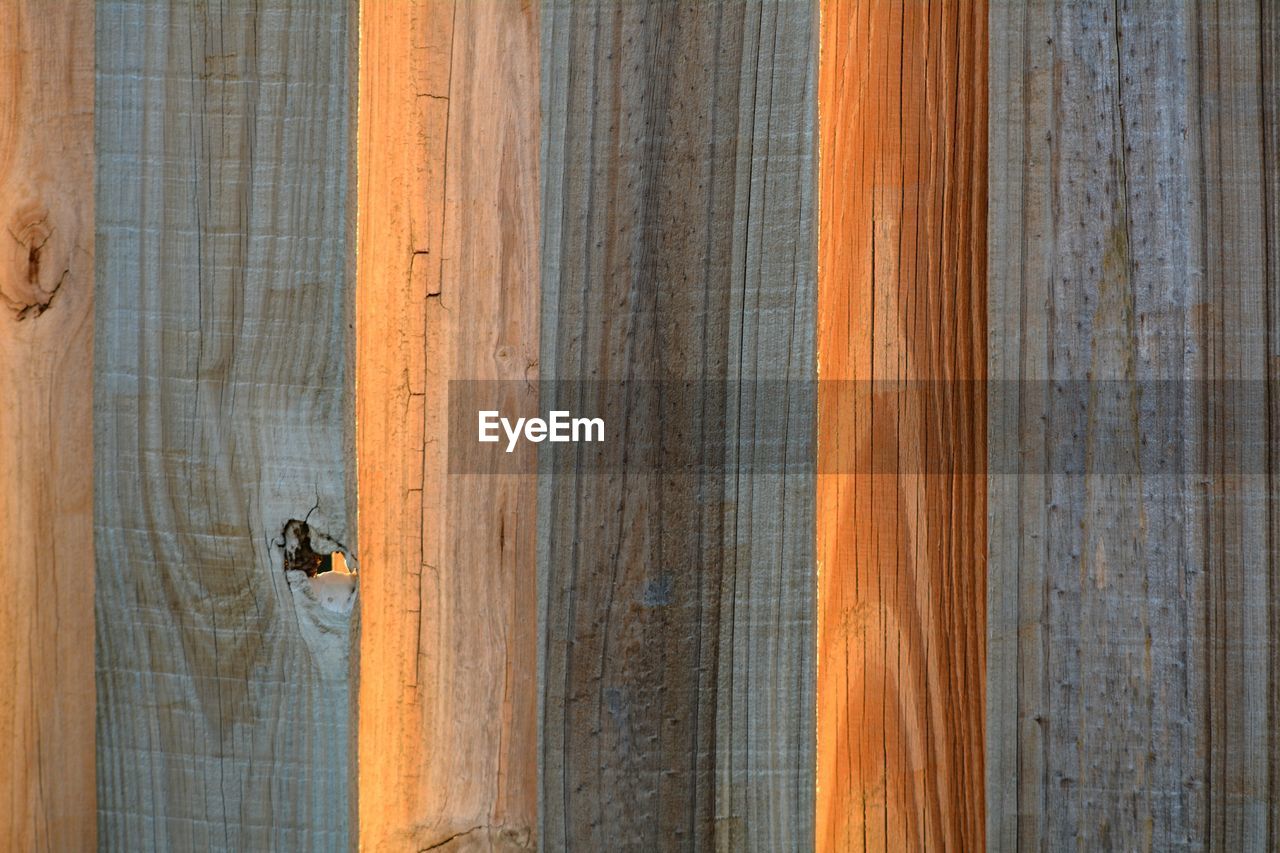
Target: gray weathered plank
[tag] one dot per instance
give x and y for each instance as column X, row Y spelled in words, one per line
column 1132, row 680
column 222, row 411
column 677, row 561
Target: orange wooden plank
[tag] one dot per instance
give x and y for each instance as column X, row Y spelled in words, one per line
column 901, row 484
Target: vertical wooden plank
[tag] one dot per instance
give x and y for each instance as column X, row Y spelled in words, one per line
column 677, row 557
column 222, row 409
column 901, row 418
column 1239, row 329
column 1133, row 298
column 1018, row 283
column 1269, row 53
column 447, row 290
column 764, row 716
column 46, row 463
column 1093, row 303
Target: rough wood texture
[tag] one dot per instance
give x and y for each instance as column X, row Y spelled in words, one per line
column 46, row 391
column 222, row 411
column 901, row 489
column 677, row 692
column 447, row 290
column 1133, row 687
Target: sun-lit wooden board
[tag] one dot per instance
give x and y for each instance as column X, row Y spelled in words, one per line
column 677, row 557
column 223, row 410
column 901, row 486
column 447, row 290
column 1134, row 293
column 46, row 439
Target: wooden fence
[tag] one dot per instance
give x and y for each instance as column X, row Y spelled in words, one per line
column 933, row 340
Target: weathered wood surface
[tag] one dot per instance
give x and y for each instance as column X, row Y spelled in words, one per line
column 1133, row 296
column 677, row 557
column 901, row 485
column 222, row 411
column 447, row 290
column 46, row 392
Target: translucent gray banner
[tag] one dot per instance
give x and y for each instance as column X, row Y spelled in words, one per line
column 935, row 427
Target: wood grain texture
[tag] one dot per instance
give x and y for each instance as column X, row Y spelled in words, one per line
column 447, row 290
column 677, row 557
column 901, row 484
column 46, row 392
column 1133, row 681
column 222, row 408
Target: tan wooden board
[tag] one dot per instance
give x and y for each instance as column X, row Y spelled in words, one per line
column 46, row 427
column 447, row 289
